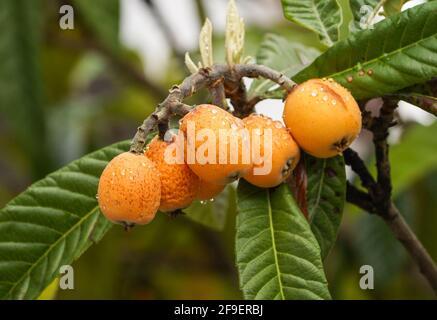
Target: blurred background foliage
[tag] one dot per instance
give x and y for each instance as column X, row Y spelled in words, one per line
column 64, row 93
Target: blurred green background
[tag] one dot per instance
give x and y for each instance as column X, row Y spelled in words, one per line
column 64, row 93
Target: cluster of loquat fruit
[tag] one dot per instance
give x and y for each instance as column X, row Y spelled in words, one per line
column 320, row 116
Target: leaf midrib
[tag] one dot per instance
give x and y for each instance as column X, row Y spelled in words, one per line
column 49, row 249
column 386, row 55
column 275, row 253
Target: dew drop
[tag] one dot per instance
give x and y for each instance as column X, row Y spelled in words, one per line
column 123, row 172
column 325, row 98
column 278, row 125
column 361, row 73
column 334, row 102
column 234, row 126
column 97, row 196
column 213, row 111
column 202, row 202
column 349, row 79
column 211, row 200
column 143, row 164
column 302, row 89
column 370, row 72
column 314, row 93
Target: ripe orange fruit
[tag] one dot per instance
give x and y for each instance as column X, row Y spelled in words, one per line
column 129, row 189
column 208, row 191
column 216, row 148
column 179, row 185
column 323, row 117
column 278, row 155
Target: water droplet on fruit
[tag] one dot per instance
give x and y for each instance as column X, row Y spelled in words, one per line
column 325, row 98
column 334, row 102
column 314, row 93
column 213, row 111
column 123, row 172
column 278, row 125
column 211, row 200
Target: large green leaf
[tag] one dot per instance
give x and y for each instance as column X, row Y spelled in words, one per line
column 102, row 18
column 283, row 55
column 51, row 224
column 278, row 256
column 321, row 16
column 398, row 52
column 326, row 191
column 364, row 11
column 20, row 81
column 213, row 213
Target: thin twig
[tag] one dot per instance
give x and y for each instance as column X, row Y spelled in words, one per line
column 204, row 78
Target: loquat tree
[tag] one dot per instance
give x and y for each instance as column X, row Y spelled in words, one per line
column 288, row 219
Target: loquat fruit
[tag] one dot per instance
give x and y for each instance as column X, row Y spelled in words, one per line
column 217, row 149
column 129, row 190
column 322, row 116
column 179, row 185
column 208, row 190
column 274, row 158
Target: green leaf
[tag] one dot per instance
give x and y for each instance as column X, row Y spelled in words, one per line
column 283, row 55
column 51, row 224
column 321, row 16
column 20, row 79
column 398, row 52
column 278, row 256
column 364, row 11
column 414, row 157
column 212, row 214
column 392, row 7
column 326, row 192
column 102, row 17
